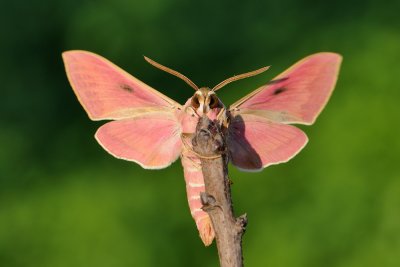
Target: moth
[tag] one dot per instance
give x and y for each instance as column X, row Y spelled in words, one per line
column 153, row 130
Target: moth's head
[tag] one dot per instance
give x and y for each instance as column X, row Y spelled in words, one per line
column 204, row 100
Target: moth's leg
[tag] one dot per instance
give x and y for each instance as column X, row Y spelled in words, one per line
column 221, row 114
column 188, row 152
column 223, row 118
column 187, row 141
column 187, row 135
column 191, row 111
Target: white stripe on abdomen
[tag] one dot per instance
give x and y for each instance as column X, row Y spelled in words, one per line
column 194, row 186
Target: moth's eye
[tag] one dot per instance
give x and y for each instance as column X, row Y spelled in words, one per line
column 195, row 102
column 213, row 101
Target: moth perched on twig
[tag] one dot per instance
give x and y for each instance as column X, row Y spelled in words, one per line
column 153, row 130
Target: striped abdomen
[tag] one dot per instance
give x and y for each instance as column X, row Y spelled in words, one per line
column 194, row 185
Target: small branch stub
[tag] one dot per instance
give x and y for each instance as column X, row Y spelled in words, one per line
column 209, row 143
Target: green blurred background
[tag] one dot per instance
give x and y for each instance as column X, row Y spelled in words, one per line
column 66, row 202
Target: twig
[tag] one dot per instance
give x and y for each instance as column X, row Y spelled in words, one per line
column 209, row 142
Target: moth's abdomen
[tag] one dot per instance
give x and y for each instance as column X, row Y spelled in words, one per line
column 194, row 185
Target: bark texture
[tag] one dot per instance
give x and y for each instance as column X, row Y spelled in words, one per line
column 209, row 143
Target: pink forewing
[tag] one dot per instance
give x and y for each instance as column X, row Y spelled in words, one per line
column 108, row 92
column 299, row 94
column 255, row 142
column 153, row 141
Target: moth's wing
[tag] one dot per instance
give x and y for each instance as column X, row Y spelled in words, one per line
column 107, row 92
column 256, row 142
column 152, row 140
column 297, row 95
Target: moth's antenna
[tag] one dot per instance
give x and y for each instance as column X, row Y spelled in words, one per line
column 173, row 72
column 239, row 77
